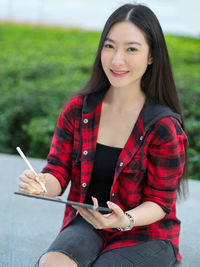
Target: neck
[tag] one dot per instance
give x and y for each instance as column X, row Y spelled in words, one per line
column 124, row 100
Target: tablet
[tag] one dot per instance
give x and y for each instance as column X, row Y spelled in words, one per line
column 66, row 202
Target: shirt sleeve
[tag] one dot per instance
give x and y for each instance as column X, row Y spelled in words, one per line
column 59, row 160
column 166, row 160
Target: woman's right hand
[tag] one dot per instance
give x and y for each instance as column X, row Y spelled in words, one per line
column 28, row 182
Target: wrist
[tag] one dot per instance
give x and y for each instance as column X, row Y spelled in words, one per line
column 130, row 222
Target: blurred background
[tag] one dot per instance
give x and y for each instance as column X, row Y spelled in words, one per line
column 175, row 16
column 47, row 49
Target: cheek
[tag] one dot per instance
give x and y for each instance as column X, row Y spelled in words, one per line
column 104, row 60
column 142, row 63
column 103, row 57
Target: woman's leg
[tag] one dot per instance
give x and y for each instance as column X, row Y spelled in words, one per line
column 77, row 245
column 56, row 259
column 155, row 253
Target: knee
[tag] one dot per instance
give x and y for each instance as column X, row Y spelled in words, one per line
column 56, row 259
column 47, row 260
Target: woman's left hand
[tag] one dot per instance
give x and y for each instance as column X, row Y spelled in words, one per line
column 116, row 219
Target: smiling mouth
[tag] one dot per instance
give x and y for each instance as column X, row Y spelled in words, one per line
column 118, row 73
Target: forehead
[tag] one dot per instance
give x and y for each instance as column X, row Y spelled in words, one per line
column 125, row 32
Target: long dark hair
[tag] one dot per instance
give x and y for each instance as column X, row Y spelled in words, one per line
column 157, row 82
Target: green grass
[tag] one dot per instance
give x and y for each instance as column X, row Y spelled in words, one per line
column 185, row 59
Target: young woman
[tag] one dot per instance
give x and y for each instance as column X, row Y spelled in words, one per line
column 121, row 143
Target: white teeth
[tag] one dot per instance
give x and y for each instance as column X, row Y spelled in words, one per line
column 119, row 72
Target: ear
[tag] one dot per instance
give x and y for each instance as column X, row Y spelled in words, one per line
column 150, row 59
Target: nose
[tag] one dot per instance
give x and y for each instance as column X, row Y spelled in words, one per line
column 118, row 58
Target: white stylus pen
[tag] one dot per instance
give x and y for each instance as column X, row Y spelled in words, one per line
column 29, row 165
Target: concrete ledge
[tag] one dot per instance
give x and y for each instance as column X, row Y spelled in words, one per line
column 28, row 227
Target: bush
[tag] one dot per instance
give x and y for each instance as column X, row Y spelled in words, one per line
column 41, row 66
column 185, row 58
column 39, row 69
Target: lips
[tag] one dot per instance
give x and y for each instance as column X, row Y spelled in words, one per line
column 118, row 73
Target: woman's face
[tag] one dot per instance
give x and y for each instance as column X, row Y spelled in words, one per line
column 125, row 55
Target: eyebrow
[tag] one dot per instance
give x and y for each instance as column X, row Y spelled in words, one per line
column 127, row 43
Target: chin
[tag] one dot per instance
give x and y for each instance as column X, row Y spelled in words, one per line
column 118, row 85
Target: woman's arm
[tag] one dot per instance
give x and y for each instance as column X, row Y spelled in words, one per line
column 52, row 185
column 57, row 172
column 147, row 213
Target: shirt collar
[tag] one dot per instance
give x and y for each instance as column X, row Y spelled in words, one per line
column 151, row 111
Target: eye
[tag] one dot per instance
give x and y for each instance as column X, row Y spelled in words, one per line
column 131, row 49
column 108, row 46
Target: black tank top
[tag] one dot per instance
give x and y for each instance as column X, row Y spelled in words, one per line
column 103, row 173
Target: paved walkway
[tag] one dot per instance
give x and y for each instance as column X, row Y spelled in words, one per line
column 27, row 226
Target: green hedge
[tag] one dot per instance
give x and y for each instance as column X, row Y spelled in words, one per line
column 41, row 66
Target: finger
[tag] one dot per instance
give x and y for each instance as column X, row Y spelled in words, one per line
column 35, row 185
column 95, row 201
column 24, row 178
column 24, row 188
column 97, row 214
column 89, row 216
column 83, row 211
column 29, row 185
column 32, row 183
column 30, row 174
column 107, row 215
column 95, row 204
column 100, row 220
column 41, row 177
column 115, row 208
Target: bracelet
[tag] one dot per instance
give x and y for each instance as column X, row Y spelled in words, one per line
column 131, row 223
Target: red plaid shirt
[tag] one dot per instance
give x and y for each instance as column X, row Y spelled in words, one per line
column 148, row 168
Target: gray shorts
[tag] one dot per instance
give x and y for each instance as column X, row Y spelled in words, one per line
column 81, row 243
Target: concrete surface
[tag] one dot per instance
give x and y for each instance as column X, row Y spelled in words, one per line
column 27, row 226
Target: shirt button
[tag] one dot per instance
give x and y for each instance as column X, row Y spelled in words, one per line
column 121, row 164
column 84, row 185
column 141, row 138
column 85, row 121
column 113, row 194
column 85, row 152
